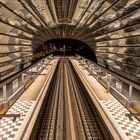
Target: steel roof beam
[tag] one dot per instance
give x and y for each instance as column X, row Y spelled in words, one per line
column 6, row 23
column 20, row 37
column 93, row 20
column 118, row 18
column 38, row 14
column 28, row 22
column 81, row 18
column 116, row 30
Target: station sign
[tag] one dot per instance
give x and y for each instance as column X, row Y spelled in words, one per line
column 15, row 85
column 119, row 86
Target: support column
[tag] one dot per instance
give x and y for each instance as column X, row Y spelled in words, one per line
column 4, row 93
column 108, row 86
column 32, row 76
column 22, row 78
column 130, row 92
column 5, row 105
column 108, row 82
column 92, row 67
column 128, row 103
column 84, row 61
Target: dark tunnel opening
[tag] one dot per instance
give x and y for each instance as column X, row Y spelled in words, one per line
column 70, row 47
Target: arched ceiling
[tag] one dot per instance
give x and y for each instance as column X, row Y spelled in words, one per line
column 110, row 27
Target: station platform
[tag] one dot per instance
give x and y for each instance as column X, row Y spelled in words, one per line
column 105, row 102
column 115, row 111
column 9, row 129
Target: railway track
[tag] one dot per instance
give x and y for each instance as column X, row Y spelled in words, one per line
column 68, row 113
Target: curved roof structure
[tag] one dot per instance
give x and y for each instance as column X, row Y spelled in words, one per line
column 110, row 27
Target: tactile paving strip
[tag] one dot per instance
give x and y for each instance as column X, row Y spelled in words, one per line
column 8, row 128
column 117, row 110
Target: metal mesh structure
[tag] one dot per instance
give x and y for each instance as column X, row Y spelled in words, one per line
column 110, row 27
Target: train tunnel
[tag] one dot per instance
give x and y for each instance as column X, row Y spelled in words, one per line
column 102, row 33
column 109, row 28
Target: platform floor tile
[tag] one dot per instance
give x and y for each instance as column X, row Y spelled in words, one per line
column 117, row 110
column 8, row 127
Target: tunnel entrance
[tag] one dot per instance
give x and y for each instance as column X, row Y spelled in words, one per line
column 66, row 47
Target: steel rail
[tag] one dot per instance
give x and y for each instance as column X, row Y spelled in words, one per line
column 94, row 126
column 84, row 134
column 48, row 122
column 56, row 127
